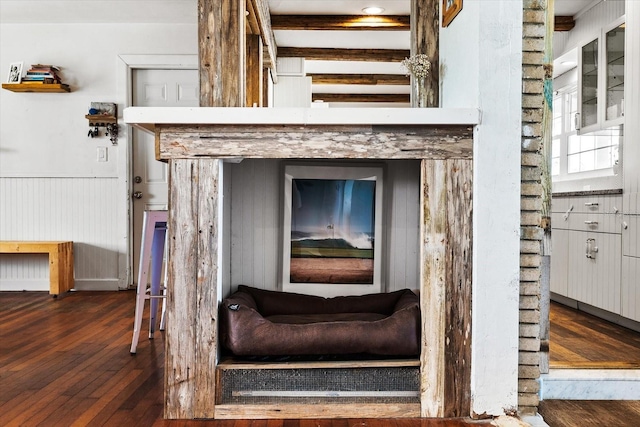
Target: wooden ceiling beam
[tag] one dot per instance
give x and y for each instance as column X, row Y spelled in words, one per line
column 327, row 54
column 340, row 22
column 563, row 23
column 361, row 97
column 260, row 9
column 359, row 79
column 252, row 20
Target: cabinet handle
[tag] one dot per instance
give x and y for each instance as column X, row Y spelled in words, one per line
column 591, row 222
column 591, row 248
column 576, row 120
column 591, row 204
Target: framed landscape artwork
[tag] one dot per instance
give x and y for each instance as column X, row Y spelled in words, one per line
column 332, row 230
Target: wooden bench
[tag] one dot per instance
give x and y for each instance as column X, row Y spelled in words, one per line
column 60, row 260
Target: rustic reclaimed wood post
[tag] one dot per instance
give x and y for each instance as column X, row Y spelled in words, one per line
column 194, row 218
column 254, row 71
column 425, row 38
column 446, row 250
column 425, row 30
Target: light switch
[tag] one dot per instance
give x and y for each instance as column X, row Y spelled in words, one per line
column 102, row 154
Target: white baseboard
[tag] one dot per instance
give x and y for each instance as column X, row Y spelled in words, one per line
column 43, row 285
column 13, row 285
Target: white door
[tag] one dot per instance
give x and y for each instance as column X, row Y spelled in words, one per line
column 154, row 88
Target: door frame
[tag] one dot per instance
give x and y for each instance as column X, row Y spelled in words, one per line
column 124, row 87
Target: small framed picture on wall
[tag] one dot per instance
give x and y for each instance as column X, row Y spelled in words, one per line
column 15, row 72
column 450, row 8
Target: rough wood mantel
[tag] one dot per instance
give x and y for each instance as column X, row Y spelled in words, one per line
column 194, row 140
column 286, row 133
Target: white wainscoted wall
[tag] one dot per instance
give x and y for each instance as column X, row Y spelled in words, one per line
column 52, row 186
column 77, row 209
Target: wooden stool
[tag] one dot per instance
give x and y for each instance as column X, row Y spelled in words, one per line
column 152, row 252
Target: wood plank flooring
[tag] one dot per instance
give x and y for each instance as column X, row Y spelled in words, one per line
column 66, row 362
column 590, row 413
column 581, row 341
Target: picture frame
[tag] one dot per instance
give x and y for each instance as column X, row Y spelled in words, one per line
column 15, row 72
column 332, row 231
column 450, row 9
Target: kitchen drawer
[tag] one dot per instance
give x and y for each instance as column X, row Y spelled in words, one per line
column 610, row 204
column 593, row 222
column 598, row 223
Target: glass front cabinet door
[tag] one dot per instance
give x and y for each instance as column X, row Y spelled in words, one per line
column 589, row 86
column 614, row 86
column 601, row 80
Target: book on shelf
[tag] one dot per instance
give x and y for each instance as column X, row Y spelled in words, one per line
column 42, row 73
column 44, row 67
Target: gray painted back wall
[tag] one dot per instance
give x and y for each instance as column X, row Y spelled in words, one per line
column 253, row 224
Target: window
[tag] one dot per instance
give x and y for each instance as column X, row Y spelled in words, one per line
column 574, row 156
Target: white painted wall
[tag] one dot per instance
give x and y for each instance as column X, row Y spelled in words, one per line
column 481, row 57
column 51, row 186
column 255, row 189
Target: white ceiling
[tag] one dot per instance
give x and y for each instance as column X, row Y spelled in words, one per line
column 185, row 11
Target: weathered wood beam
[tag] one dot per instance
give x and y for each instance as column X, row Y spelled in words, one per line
column 315, row 141
column 458, row 259
column 340, row 22
column 194, row 197
column 563, row 23
column 260, row 8
column 222, row 52
column 252, row 21
column 328, row 54
column 433, row 247
column 180, row 334
column 361, row 97
column 425, row 38
column 446, row 246
column 254, row 71
column 191, row 335
column 359, row 79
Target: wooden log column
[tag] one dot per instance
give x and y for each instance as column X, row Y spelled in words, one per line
column 194, row 198
column 254, row 71
column 425, row 38
column 446, row 205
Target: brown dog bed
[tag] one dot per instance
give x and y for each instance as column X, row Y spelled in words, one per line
column 256, row 322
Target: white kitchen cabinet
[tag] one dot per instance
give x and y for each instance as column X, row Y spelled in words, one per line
column 586, row 261
column 601, row 79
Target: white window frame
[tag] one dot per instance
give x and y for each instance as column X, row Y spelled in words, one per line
column 594, row 180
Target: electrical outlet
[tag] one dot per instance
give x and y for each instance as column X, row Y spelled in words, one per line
column 102, row 154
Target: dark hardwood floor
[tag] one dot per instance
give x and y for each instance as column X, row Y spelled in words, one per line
column 66, row 362
column 590, row 413
column 582, row 341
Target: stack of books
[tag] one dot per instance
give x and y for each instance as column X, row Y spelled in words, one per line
column 41, row 73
